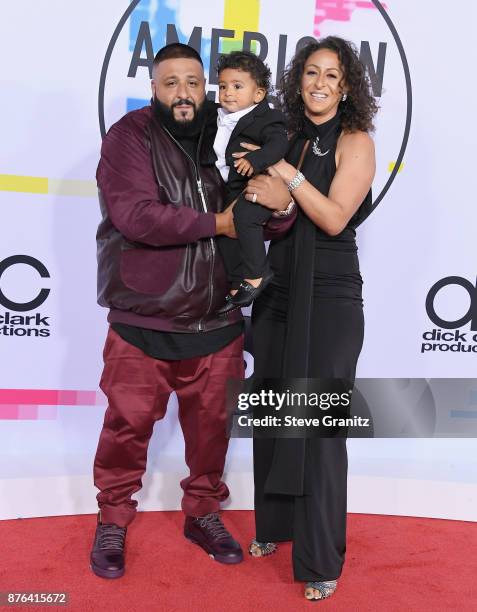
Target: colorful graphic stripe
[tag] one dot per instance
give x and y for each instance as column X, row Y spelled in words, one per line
column 337, row 10
column 392, row 165
column 241, row 16
column 43, row 404
column 38, row 404
column 464, row 414
column 19, row 412
column 42, row 185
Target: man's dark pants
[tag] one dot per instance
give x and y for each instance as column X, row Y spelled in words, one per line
column 138, row 387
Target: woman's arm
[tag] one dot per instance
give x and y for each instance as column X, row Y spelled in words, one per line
column 355, row 163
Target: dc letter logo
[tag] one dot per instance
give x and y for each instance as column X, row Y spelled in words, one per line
column 469, row 316
column 42, row 271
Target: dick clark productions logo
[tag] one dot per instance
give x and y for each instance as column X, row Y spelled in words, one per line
column 14, row 324
column 454, row 340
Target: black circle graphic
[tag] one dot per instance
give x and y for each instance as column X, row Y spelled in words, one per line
column 434, row 290
column 397, row 40
column 42, row 271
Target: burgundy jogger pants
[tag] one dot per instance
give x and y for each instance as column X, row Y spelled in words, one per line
column 138, row 387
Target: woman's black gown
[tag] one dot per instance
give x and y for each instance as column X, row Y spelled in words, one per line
column 308, row 323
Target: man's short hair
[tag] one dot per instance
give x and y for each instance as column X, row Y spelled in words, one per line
column 176, row 50
column 246, row 61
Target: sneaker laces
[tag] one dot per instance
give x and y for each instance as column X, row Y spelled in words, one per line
column 214, row 526
column 111, row 537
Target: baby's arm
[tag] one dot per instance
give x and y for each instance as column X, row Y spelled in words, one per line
column 274, row 144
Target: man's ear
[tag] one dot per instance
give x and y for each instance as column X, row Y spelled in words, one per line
column 153, row 88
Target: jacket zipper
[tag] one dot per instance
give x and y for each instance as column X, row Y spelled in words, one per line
column 203, row 199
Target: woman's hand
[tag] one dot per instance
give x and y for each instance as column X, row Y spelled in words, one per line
column 269, row 191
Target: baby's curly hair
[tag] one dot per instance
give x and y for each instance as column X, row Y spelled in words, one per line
column 357, row 111
column 247, row 62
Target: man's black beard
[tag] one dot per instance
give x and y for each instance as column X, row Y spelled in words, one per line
column 180, row 129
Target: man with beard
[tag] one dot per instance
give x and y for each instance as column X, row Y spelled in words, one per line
column 162, row 279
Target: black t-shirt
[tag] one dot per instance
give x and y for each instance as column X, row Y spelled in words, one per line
column 175, row 346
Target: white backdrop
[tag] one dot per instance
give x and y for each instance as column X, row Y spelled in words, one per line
column 422, row 231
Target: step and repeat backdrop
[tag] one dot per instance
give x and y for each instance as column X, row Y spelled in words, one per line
column 70, row 70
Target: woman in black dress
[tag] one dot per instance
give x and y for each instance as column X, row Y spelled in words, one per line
column 308, row 322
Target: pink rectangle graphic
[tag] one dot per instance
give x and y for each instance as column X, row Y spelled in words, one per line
column 338, row 10
column 42, row 404
column 28, row 413
column 86, row 398
column 9, row 413
column 28, row 396
column 48, row 397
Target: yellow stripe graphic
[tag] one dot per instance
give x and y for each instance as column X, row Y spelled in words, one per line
column 392, row 165
column 86, row 189
column 240, row 15
column 24, row 184
column 40, row 184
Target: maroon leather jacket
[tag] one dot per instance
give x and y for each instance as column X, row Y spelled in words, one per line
column 158, row 264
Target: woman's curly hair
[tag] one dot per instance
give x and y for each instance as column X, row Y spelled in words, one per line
column 357, row 111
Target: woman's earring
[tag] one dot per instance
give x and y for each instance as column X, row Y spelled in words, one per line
column 298, row 92
column 344, row 97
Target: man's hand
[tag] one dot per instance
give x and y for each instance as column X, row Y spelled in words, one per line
column 243, row 167
column 224, row 222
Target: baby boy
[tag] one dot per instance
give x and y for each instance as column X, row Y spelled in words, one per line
column 245, row 116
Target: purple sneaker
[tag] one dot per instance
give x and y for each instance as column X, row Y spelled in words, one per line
column 210, row 534
column 107, row 555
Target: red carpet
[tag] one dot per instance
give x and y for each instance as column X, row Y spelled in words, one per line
column 393, row 564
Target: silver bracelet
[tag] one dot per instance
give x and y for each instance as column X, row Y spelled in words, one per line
column 296, row 181
column 284, row 213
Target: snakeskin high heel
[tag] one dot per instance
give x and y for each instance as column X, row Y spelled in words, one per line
column 262, row 549
column 325, row 588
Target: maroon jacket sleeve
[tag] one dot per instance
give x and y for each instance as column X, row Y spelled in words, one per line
column 279, row 226
column 126, row 179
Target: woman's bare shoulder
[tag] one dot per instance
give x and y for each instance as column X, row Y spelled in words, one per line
column 353, row 141
column 355, row 146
